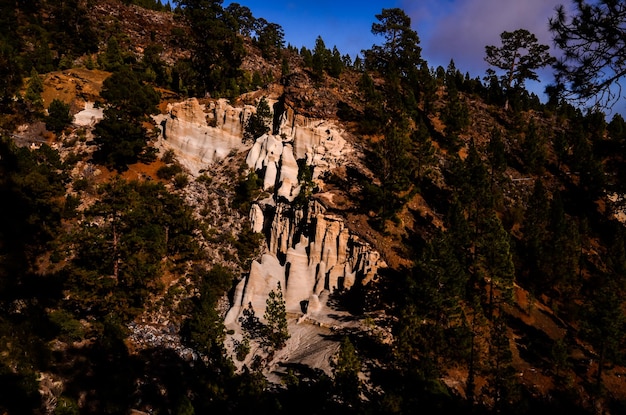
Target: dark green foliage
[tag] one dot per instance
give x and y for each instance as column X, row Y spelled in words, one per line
column 66, row 406
column 592, row 61
column 34, row 182
column 58, row 116
column 155, row 69
column 431, row 317
column 69, row 328
column 534, row 149
column 241, row 19
column 373, row 118
column 71, row 31
column 112, row 58
column 400, row 56
column 123, row 90
column 504, row 389
column 120, row 139
column 119, row 261
column 34, row 89
column 320, row 58
column 495, row 262
column 535, row 230
column 305, row 180
column 346, row 368
column 167, row 172
column 275, row 317
column 246, row 191
column 519, row 56
column 392, row 163
column 270, row 39
column 247, row 246
column 496, row 154
column 10, row 73
column 205, row 327
column 217, row 49
column 455, row 114
column 335, row 63
column 259, row 122
column 120, row 135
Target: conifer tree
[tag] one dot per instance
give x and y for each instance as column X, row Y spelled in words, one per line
column 534, row 149
column 335, row 64
column 346, row 370
column 455, row 114
column 58, row 116
column 112, row 59
column 592, row 41
column 519, row 56
column 34, row 90
column 218, row 50
column 320, row 59
column 504, row 387
column 400, row 56
column 496, row 155
column 495, row 262
column 424, row 151
column 258, row 123
column 275, row 317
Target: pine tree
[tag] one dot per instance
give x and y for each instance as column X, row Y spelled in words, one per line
column 34, row 90
column 504, row 387
column 496, row 155
column 275, row 317
column 400, row 56
column 258, row 123
column 346, row 370
column 112, row 59
column 320, row 59
column 534, row 149
column 423, row 149
column 58, row 116
column 455, row 114
column 495, row 262
column 519, row 56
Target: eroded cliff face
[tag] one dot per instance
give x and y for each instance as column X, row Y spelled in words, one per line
column 200, row 134
column 309, row 251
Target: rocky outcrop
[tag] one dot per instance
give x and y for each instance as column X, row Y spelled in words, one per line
column 199, row 135
column 319, row 144
column 310, row 252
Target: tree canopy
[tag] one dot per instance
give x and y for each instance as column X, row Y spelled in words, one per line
column 593, row 41
column 400, row 54
column 519, row 56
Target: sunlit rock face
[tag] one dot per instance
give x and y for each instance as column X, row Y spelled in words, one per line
column 199, row 135
column 89, row 116
column 310, row 252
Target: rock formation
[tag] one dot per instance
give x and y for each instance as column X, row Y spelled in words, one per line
column 310, row 252
column 200, row 135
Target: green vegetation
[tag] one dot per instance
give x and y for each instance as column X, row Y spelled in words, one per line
column 58, row 116
column 258, row 123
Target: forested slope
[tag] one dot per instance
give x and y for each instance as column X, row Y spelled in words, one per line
column 498, row 218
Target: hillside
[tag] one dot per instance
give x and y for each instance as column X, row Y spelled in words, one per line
column 197, row 218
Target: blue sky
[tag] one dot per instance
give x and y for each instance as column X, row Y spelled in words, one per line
column 448, row 29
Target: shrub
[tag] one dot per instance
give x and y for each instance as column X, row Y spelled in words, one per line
column 58, row 116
